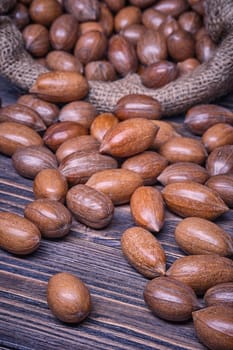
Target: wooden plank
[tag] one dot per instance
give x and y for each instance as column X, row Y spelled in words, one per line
column 119, row 318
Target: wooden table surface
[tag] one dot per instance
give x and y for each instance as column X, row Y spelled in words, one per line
column 119, row 318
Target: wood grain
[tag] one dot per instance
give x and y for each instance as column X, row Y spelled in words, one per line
column 119, row 318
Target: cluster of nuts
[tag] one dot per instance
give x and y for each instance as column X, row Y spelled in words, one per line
column 104, row 40
column 93, row 162
column 83, row 164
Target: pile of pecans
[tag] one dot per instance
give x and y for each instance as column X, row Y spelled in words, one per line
column 83, row 164
column 105, row 40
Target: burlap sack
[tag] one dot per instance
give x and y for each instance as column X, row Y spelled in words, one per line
column 208, row 82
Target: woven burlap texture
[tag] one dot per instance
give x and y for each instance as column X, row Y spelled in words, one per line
column 208, row 82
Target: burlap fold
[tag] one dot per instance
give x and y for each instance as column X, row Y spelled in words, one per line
column 208, row 82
